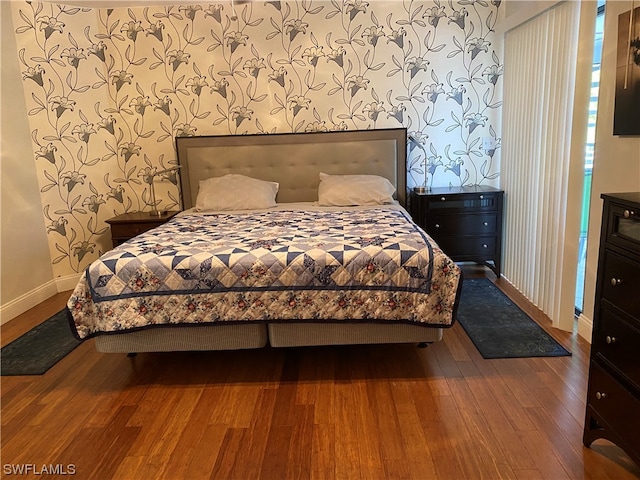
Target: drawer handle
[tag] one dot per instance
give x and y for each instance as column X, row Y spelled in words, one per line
column 442, row 199
column 437, row 225
column 601, row 395
column 481, row 197
column 616, row 281
column 484, row 245
column 610, row 340
column 486, row 224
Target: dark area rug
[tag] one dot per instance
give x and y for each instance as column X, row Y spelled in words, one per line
column 40, row 348
column 498, row 327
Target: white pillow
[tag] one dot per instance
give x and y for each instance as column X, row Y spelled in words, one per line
column 235, row 192
column 346, row 190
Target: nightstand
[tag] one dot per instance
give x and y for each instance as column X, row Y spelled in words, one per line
column 128, row 225
column 466, row 222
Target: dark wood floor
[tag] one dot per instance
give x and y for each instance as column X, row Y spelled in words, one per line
column 353, row 412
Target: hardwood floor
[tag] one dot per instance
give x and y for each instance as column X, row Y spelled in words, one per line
column 352, row 412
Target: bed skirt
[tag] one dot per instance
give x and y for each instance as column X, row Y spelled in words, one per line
column 238, row 337
column 214, row 337
column 301, row 334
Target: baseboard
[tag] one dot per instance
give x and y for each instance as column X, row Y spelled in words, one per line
column 28, row 300
column 585, row 327
column 68, row 282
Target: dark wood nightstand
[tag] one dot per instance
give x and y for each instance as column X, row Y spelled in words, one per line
column 128, row 225
column 466, row 222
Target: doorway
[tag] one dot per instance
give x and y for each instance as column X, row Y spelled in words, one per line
column 588, row 158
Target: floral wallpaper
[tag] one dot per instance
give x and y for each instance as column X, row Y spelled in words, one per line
column 108, row 89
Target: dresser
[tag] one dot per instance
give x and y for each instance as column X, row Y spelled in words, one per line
column 128, row 225
column 613, row 396
column 466, row 222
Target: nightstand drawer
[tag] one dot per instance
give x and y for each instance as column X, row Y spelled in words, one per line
column 616, row 404
column 621, row 283
column 616, row 342
column 464, row 246
column 128, row 225
column 130, row 230
column 461, row 224
column 463, row 202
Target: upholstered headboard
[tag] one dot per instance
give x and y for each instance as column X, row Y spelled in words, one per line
column 294, row 160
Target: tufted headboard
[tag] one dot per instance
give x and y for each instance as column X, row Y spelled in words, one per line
column 294, row 160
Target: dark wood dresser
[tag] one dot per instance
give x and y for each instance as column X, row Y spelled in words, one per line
column 613, row 396
column 466, row 222
column 128, row 225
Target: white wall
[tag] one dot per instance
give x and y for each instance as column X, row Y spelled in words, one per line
column 617, row 159
column 25, row 264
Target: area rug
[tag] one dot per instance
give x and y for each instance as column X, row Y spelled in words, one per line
column 498, row 327
column 40, row 348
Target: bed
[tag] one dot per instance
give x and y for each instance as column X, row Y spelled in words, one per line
column 298, row 272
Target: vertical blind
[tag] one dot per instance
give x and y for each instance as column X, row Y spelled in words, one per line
column 539, row 88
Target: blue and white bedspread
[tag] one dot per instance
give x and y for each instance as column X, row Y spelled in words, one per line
column 372, row 265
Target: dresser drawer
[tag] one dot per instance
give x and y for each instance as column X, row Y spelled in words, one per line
column 623, row 227
column 464, row 246
column 621, row 283
column 616, row 405
column 616, row 342
column 461, row 224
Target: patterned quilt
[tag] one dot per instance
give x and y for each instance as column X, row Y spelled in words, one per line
column 316, row 265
